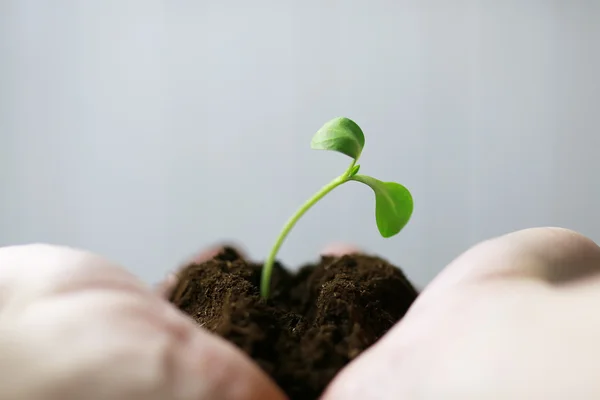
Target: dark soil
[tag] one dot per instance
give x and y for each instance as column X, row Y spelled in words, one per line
column 315, row 322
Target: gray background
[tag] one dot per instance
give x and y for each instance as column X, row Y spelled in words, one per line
column 144, row 130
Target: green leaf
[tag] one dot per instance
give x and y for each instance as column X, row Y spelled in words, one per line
column 393, row 204
column 342, row 135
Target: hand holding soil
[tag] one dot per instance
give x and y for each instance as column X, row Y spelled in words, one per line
column 512, row 318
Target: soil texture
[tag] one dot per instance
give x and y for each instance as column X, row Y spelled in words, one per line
column 316, row 321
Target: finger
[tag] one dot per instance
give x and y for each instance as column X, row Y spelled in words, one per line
column 553, row 255
column 495, row 300
column 340, row 249
column 74, row 325
column 31, row 272
column 166, row 286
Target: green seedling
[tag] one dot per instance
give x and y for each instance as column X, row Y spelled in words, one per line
column 393, row 202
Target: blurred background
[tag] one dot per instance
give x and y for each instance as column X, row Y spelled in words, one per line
column 146, row 130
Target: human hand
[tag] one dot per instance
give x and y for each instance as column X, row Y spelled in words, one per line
column 75, row 326
column 488, row 327
column 512, row 318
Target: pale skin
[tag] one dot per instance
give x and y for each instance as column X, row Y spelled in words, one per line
column 515, row 317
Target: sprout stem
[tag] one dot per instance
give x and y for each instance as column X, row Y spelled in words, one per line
column 270, row 261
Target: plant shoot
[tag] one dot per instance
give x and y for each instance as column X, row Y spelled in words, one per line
column 393, row 202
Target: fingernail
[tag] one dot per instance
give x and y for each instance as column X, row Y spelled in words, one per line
column 165, row 287
column 339, row 249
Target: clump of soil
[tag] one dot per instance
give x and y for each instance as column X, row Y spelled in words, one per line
column 315, row 322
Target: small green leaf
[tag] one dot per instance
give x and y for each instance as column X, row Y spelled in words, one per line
column 393, row 204
column 342, row 135
column 354, row 171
